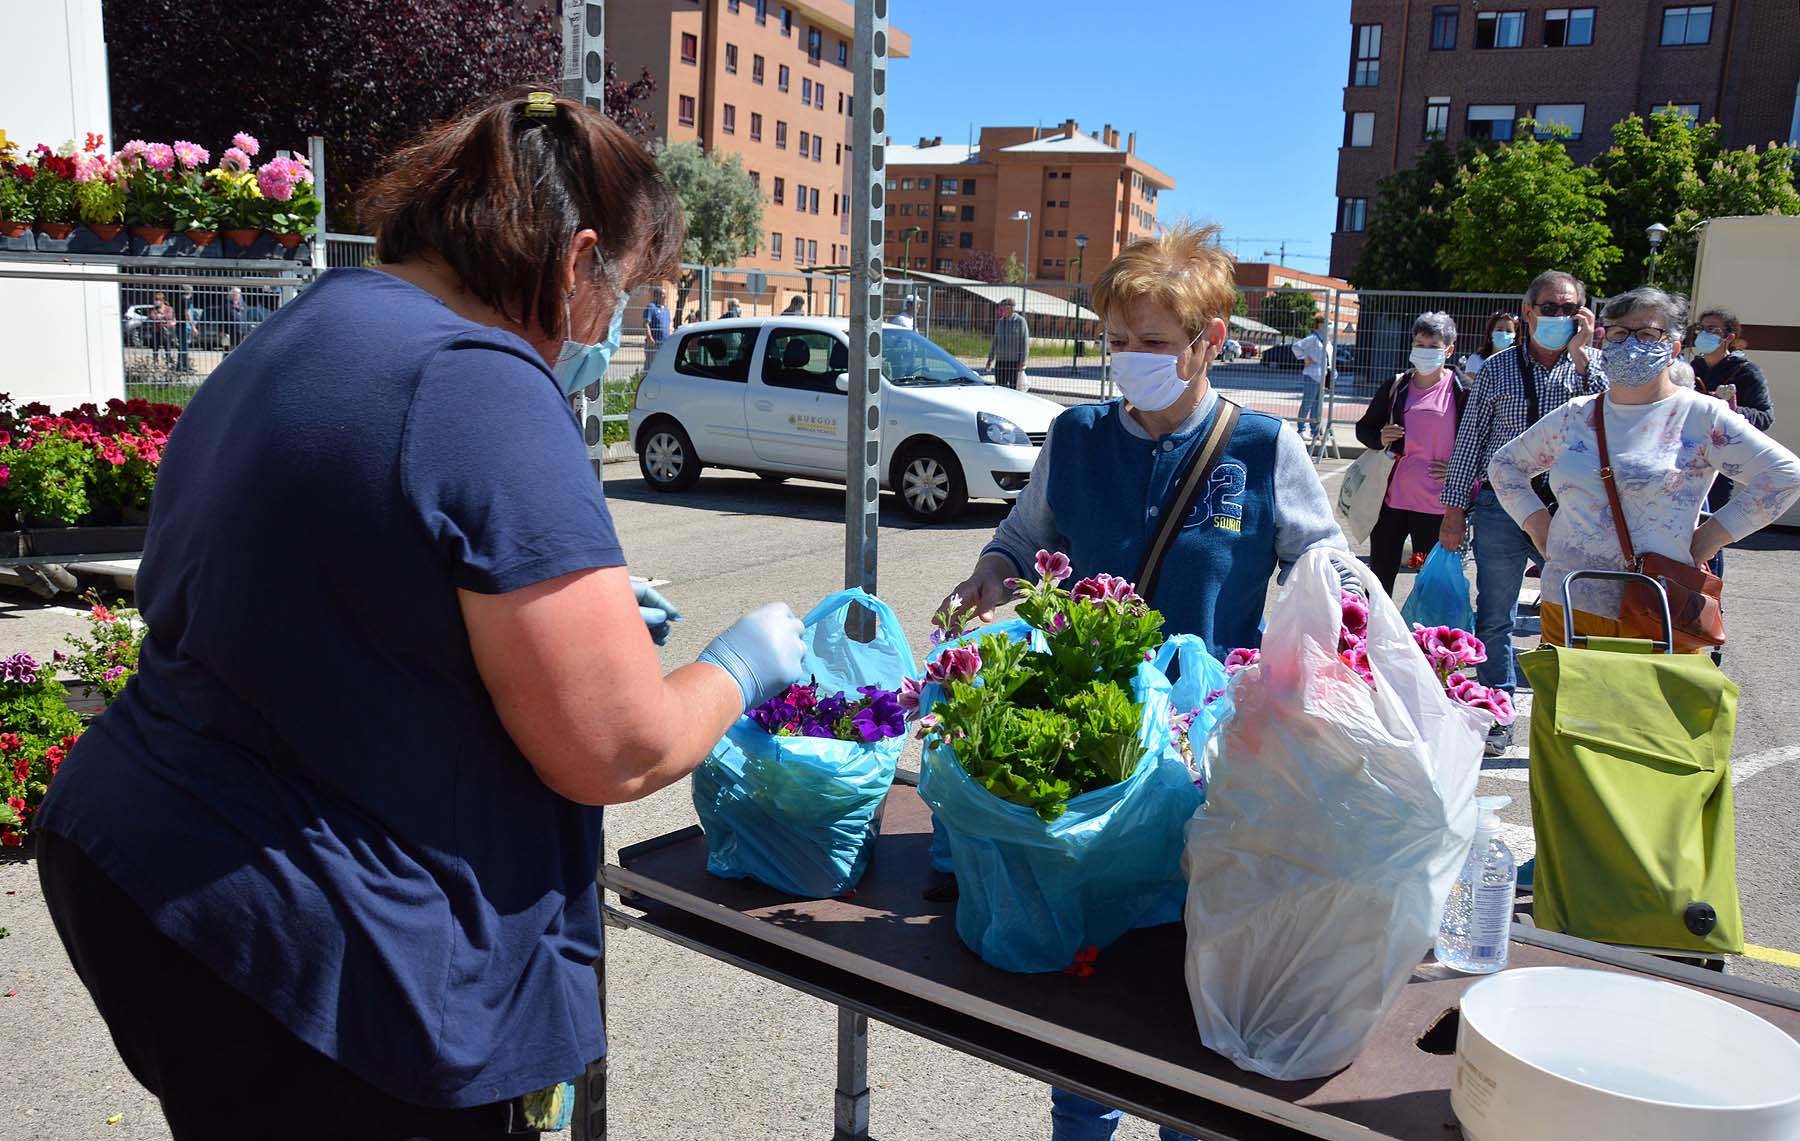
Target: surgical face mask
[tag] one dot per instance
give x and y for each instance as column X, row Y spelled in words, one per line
column 1427, row 360
column 1706, row 342
column 579, row 365
column 1553, row 333
column 1632, row 364
column 1502, row 341
column 1151, row 381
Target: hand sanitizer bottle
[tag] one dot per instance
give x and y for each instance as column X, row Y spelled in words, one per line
column 1478, row 915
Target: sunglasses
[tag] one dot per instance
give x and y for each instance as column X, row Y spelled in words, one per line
column 1558, row 309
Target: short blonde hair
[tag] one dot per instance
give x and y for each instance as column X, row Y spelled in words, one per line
column 1183, row 270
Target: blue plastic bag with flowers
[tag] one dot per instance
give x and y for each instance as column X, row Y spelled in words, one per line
column 1053, row 770
column 792, row 795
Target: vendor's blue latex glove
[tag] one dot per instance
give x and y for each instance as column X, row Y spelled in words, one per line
column 761, row 651
column 656, row 611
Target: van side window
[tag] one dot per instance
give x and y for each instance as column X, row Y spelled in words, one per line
column 808, row 359
column 721, row 354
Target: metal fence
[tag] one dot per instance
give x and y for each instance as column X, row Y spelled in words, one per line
column 177, row 325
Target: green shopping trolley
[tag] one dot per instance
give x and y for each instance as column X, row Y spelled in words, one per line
column 1631, row 791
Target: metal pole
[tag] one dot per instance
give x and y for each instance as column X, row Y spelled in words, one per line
column 315, row 147
column 850, row 1119
column 584, row 78
column 868, row 201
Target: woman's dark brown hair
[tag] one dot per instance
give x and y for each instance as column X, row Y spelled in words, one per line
column 499, row 196
column 1733, row 327
column 1494, row 320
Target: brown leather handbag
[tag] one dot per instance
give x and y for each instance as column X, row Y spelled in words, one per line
column 1693, row 592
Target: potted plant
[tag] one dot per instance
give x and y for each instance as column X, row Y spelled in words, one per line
column 15, row 202
column 148, row 173
column 287, row 184
column 241, row 209
column 196, row 205
column 39, row 730
column 100, row 203
column 52, row 191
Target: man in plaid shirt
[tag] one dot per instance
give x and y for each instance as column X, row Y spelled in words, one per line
column 1561, row 365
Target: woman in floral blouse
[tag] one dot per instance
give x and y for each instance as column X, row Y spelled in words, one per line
column 1667, row 444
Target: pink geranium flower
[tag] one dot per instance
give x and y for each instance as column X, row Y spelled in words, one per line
column 1356, row 614
column 246, row 142
column 193, row 156
column 960, row 663
column 909, row 694
column 1471, row 693
column 1053, row 565
column 159, row 156
column 1241, row 658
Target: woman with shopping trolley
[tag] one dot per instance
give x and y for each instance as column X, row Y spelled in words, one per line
column 1662, row 447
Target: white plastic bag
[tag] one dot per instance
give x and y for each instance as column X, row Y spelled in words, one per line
column 1337, row 817
column 1362, row 493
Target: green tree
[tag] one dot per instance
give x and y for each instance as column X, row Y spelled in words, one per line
column 1674, row 171
column 1290, row 310
column 1524, row 208
column 722, row 205
column 1015, row 272
column 1409, row 222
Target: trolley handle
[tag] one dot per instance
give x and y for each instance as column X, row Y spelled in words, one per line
column 1667, row 645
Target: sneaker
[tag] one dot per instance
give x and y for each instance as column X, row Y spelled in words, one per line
column 1527, row 871
column 1499, row 739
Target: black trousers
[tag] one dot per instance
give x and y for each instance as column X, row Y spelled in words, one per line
column 1392, row 528
column 222, row 1067
column 1006, row 373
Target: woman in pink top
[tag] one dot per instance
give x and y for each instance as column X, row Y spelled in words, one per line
column 1414, row 416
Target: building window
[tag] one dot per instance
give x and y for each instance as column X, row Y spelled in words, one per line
column 892, row 185
column 834, row 210
column 815, row 44
column 819, row 96
column 904, row 209
column 780, row 135
column 1568, row 115
column 805, row 144
column 1353, row 214
column 780, row 190
column 684, row 110
column 775, row 238
column 1437, row 117
column 947, row 212
column 731, row 58
column 906, row 184
column 945, row 239
column 965, row 240
column 762, row 17
column 1499, row 29
column 968, row 186
column 968, row 213
column 1049, row 233
column 1568, row 27
column 690, row 48
column 1688, row 111
column 815, row 201
column 1491, row 120
column 1359, row 130
column 925, row 183
column 756, row 179
column 1684, row 26
column 729, row 120
column 1365, row 67
column 1048, row 263
column 805, row 90
column 812, row 251
column 731, row 6
column 837, row 154
column 818, row 148
column 787, row 20
column 800, row 198
column 756, row 126
column 950, row 186
column 756, row 69
column 1064, row 204
column 840, row 102
column 1443, row 28
column 943, row 264
column 843, row 54
column 781, row 77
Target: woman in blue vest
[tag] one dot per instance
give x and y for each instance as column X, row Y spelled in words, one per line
column 1108, row 472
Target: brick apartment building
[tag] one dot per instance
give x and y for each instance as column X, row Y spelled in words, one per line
column 962, row 199
column 1420, row 70
column 770, row 82
column 1258, row 279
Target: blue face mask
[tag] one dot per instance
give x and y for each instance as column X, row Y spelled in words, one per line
column 1632, row 364
column 1706, row 342
column 1554, row 333
column 1502, row 341
column 579, row 365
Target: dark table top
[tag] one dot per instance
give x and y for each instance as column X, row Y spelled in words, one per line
column 1127, row 1029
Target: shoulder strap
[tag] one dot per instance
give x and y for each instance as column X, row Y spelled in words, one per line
column 1612, row 491
column 1402, row 381
column 1205, row 460
column 1528, row 378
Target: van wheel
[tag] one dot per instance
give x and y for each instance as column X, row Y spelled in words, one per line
column 930, row 482
column 666, row 457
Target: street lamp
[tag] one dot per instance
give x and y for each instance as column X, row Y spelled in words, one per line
column 1656, row 232
column 1025, row 217
column 906, row 237
column 1081, row 241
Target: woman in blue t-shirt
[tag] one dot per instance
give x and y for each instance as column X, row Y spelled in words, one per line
column 327, row 865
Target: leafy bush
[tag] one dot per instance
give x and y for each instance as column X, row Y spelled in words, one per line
column 106, row 656
column 37, row 730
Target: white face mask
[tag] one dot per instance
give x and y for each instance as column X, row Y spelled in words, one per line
column 1427, row 360
column 1151, row 381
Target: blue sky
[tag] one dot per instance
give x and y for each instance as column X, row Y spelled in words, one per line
column 1242, row 102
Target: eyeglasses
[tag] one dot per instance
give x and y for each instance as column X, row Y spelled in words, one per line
column 1716, row 330
column 1558, row 309
column 1646, row 334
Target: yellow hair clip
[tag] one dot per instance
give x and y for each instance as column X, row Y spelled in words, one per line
column 541, row 105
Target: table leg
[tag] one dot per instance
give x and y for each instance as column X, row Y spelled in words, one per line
column 851, row 1117
column 589, row 1122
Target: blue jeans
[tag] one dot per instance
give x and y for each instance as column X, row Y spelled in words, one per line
column 1310, row 404
column 1075, row 1118
column 1501, row 551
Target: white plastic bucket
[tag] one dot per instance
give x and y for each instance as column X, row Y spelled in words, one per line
column 1555, row 1053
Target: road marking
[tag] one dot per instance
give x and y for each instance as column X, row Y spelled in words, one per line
column 1772, row 955
column 1742, row 770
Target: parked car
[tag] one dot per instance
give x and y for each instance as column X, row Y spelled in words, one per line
column 1250, row 349
column 136, row 325
column 767, row 395
column 1232, row 351
column 218, row 330
column 1280, row 356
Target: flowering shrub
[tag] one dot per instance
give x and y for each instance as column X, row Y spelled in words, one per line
column 61, row 468
column 15, row 183
column 801, row 712
column 37, row 730
column 52, row 184
column 1038, row 729
column 106, row 656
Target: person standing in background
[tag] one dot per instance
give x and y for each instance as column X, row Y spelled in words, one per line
column 236, row 319
column 1502, row 331
column 1721, row 369
column 1012, row 342
column 904, row 318
column 656, row 324
column 1314, row 351
column 162, row 330
column 187, row 328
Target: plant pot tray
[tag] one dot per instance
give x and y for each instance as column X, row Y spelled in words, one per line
column 85, row 541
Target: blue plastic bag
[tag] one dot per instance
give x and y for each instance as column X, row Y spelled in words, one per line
column 1196, row 677
column 1440, row 595
column 800, row 813
column 1032, row 895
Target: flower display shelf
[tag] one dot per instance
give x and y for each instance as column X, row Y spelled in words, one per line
column 48, row 543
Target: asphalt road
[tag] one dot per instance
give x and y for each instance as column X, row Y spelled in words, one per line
column 704, row 1051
